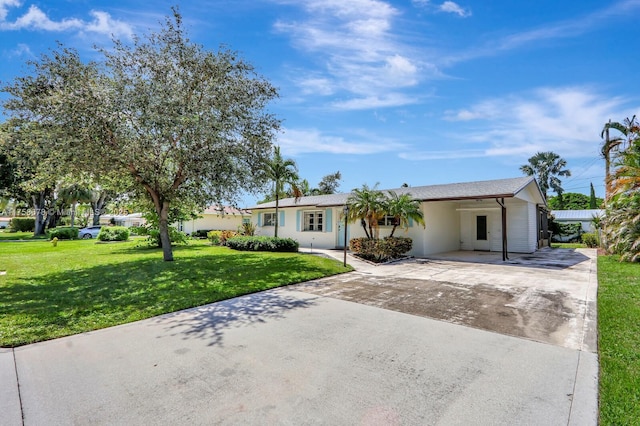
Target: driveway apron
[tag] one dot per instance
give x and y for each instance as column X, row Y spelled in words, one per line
column 304, row 355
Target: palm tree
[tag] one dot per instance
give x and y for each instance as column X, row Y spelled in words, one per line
column 282, row 171
column 74, row 194
column 367, row 205
column 546, row 167
column 612, row 145
column 403, row 208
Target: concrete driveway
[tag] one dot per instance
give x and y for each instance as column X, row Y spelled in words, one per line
column 305, row 355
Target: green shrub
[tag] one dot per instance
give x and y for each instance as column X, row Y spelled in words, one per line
column 138, row 230
column 214, row 237
column 176, row 237
column 590, row 240
column 382, row 250
column 262, row 243
column 23, row 224
column 113, row 233
column 63, row 233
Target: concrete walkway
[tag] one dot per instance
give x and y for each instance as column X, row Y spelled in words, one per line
column 287, row 356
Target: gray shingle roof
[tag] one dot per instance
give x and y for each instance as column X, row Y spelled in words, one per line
column 451, row 191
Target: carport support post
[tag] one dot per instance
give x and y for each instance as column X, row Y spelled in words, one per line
column 346, row 213
column 505, row 254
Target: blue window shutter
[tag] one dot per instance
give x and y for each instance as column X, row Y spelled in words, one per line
column 410, row 222
column 328, row 221
column 281, row 221
column 259, row 219
column 298, row 220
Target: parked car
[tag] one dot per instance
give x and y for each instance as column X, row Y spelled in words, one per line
column 89, row 232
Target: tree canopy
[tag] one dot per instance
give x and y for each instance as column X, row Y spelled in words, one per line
column 547, row 167
column 573, row 201
column 179, row 122
column 281, row 171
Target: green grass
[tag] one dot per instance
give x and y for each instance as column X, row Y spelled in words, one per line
column 78, row 286
column 568, row 245
column 6, row 235
column 619, row 341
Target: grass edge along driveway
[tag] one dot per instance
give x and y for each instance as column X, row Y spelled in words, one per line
column 619, row 341
column 78, row 286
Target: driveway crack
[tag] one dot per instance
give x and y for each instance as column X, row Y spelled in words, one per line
column 15, row 367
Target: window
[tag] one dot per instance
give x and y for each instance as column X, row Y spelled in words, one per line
column 387, row 221
column 269, row 219
column 246, row 220
column 313, row 221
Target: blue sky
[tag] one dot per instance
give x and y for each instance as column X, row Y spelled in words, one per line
column 416, row 91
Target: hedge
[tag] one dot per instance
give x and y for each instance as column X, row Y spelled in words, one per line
column 113, row 233
column 263, row 243
column 377, row 250
column 63, row 233
column 23, row 224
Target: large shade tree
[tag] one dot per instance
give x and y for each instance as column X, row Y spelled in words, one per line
column 179, row 121
column 281, row 171
column 547, row 168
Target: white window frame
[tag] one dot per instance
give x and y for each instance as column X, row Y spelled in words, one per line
column 310, row 222
column 271, row 221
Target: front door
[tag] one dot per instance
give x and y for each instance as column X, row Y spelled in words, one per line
column 340, row 239
column 481, row 241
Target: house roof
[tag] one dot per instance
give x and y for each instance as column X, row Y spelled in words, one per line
column 452, row 191
column 576, row 215
column 222, row 210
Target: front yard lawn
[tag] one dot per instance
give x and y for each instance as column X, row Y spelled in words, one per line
column 48, row 292
column 619, row 341
column 6, row 235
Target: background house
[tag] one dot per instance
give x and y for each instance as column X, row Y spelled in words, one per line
column 128, row 220
column 583, row 217
column 216, row 218
column 496, row 215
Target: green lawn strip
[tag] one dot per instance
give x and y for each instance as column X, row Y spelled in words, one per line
column 619, row 341
column 79, row 286
column 13, row 236
column 568, row 245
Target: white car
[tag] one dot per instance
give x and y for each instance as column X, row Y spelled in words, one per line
column 89, row 232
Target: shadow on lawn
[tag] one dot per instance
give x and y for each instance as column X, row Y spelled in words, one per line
column 209, row 322
column 69, row 302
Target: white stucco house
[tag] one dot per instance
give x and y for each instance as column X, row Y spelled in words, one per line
column 496, row 215
column 220, row 218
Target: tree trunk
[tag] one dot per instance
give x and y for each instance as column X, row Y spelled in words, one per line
column 364, row 226
column 38, row 206
column 97, row 207
column 163, row 227
column 73, row 213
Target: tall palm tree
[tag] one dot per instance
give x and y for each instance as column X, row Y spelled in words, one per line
column 403, row 208
column 612, row 145
column 74, row 194
column 282, row 171
column 367, row 205
column 546, row 167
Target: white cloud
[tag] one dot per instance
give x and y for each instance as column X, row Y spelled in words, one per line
column 103, row 23
column 566, row 120
column 306, row 141
column 355, row 43
column 35, row 19
column 369, row 102
column 451, row 7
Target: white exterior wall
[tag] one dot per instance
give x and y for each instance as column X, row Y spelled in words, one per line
column 292, row 226
column 442, row 232
column 521, row 227
column 227, row 222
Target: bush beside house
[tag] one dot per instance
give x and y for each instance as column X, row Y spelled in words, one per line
column 262, row 243
column 380, row 250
